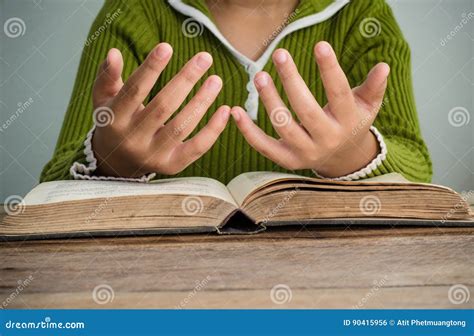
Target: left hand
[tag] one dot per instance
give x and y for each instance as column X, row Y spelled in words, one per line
column 334, row 140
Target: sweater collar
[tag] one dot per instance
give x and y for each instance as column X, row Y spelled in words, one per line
column 304, row 8
column 308, row 13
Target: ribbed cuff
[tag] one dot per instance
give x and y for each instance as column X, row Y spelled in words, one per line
column 81, row 171
column 370, row 168
column 407, row 157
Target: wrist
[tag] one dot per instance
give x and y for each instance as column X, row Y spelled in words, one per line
column 350, row 158
column 115, row 165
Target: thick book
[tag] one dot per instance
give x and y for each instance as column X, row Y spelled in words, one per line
column 250, row 203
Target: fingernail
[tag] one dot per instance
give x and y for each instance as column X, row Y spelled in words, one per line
column 204, row 61
column 107, row 58
column 163, row 51
column 386, row 69
column 323, row 49
column 214, row 83
column 280, row 56
column 261, row 80
column 235, row 114
column 225, row 113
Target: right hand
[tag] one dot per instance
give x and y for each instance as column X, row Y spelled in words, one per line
column 137, row 141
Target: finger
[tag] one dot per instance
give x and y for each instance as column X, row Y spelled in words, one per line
column 261, row 142
column 109, row 79
column 336, row 85
column 301, row 99
column 187, row 120
column 372, row 91
column 193, row 149
column 170, row 98
column 279, row 114
column 140, row 83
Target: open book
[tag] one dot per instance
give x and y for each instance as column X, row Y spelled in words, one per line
column 250, row 203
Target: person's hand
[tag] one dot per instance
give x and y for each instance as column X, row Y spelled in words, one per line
column 131, row 139
column 334, row 140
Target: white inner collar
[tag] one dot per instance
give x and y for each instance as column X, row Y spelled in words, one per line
column 252, row 67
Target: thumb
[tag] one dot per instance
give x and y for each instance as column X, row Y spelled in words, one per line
column 109, row 79
column 372, row 91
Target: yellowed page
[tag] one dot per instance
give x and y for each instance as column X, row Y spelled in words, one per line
column 61, row 191
column 388, row 178
column 241, row 186
column 244, row 184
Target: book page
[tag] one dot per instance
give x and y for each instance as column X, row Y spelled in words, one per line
column 62, row 191
column 387, row 178
column 244, row 184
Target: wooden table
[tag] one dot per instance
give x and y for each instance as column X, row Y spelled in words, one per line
column 307, row 267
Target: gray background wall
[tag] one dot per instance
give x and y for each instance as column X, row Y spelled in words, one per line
column 40, row 67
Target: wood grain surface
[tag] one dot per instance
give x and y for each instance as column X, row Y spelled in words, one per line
column 314, row 267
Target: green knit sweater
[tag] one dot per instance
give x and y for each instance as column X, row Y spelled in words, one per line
column 361, row 32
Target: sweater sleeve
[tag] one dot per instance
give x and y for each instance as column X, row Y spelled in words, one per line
column 374, row 37
column 114, row 27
